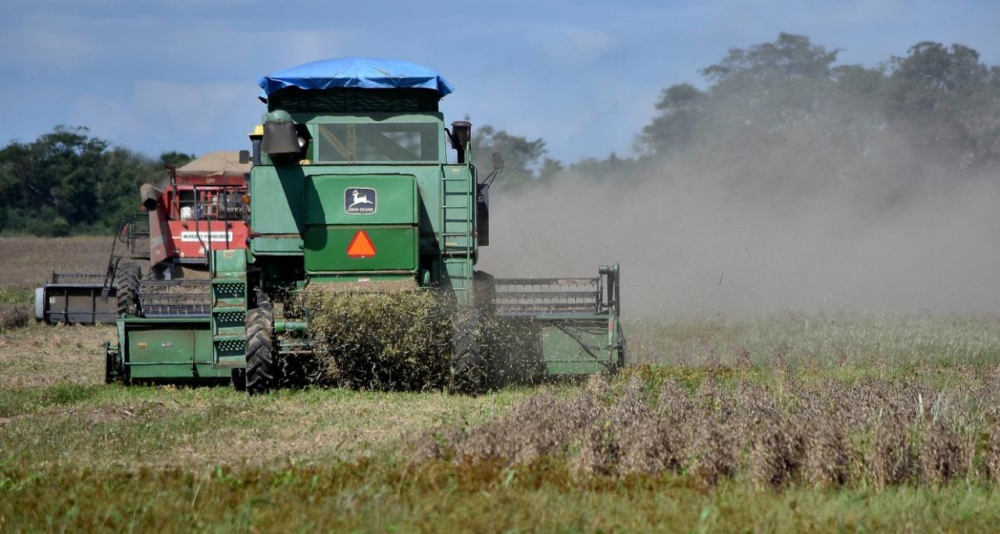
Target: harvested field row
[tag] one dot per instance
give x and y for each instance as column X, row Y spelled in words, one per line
column 757, row 425
column 40, row 355
column 28, row 262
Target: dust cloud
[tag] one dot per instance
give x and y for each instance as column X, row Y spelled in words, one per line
column 703, row 235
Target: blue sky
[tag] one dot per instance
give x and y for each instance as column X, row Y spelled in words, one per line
column 583, row 75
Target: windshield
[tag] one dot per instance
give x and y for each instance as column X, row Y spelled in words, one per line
column 377, row 142
column 217, row 202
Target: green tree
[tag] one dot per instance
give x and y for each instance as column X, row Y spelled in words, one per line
column 789, row 57
column 947, row 102
column 785, row 115
column 521, row 156
column 674, row 127
column 176, row 159
column 550, row 168
column 68, row 181
column 755, row 96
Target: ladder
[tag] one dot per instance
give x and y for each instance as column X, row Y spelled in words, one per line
column 457, row 225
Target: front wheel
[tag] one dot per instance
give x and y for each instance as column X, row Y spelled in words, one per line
column 239, row 379
column 127, row 289
column 469, row 374
column 622, row 349
column 260, row 352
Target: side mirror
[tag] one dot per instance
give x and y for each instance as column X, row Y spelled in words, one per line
column 280, row 137
column 497, row 161
column 244, row 157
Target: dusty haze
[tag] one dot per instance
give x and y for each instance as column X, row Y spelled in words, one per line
column 698, row 235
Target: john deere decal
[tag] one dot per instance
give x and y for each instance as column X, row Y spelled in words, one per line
column 360, row 200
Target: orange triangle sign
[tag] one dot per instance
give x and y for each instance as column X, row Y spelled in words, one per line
column 361, row 246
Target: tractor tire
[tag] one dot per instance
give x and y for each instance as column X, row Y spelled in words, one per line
column 262, row 369
column 127, row 289
column 469, row 372
column 622, row 350
column 239, row 379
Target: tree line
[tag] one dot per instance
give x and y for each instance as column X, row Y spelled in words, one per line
column 68, row 181
column 783, row 114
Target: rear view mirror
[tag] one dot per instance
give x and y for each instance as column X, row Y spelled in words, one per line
column 244, row 157
column 497, row 162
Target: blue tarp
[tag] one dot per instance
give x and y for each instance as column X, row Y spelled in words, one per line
column 356, row 72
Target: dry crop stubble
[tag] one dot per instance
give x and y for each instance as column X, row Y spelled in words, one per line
column 44, row 355
column 28, row 262
column 773, row 437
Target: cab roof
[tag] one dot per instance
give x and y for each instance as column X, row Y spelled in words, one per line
column 355, row 73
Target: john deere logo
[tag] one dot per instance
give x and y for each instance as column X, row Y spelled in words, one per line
column 360, row 200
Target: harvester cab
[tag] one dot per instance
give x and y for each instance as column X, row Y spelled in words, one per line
column 352, row 191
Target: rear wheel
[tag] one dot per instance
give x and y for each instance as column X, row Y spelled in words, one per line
column 622, row 349
column 261, row 369
column 127, row 289
column 239, row 379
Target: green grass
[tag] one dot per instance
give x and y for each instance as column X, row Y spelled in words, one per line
column 830, row 341
column 15, row 306
column 385, row 496
column 15, row 295
column 78, row 455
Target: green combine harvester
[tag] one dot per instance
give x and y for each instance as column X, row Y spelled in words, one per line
column 351, row 190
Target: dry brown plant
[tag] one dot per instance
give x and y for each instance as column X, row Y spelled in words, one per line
column 823, row 433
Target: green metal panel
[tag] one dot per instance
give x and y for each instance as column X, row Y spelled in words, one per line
column 576, row 347
column 395, row 248
column 277, row 199
column 230, row 263
column 282, row 225
column 168, row 349
column 277, row 246
column 394, row 199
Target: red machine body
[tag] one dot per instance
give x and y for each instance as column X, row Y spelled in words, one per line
column 201, row 209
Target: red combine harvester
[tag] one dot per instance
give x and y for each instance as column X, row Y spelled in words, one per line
column 199, row 208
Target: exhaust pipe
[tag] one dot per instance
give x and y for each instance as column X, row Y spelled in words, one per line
column 461, row 134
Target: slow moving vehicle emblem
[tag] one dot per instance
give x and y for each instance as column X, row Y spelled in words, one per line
column 360, row 200
column 361, row 246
